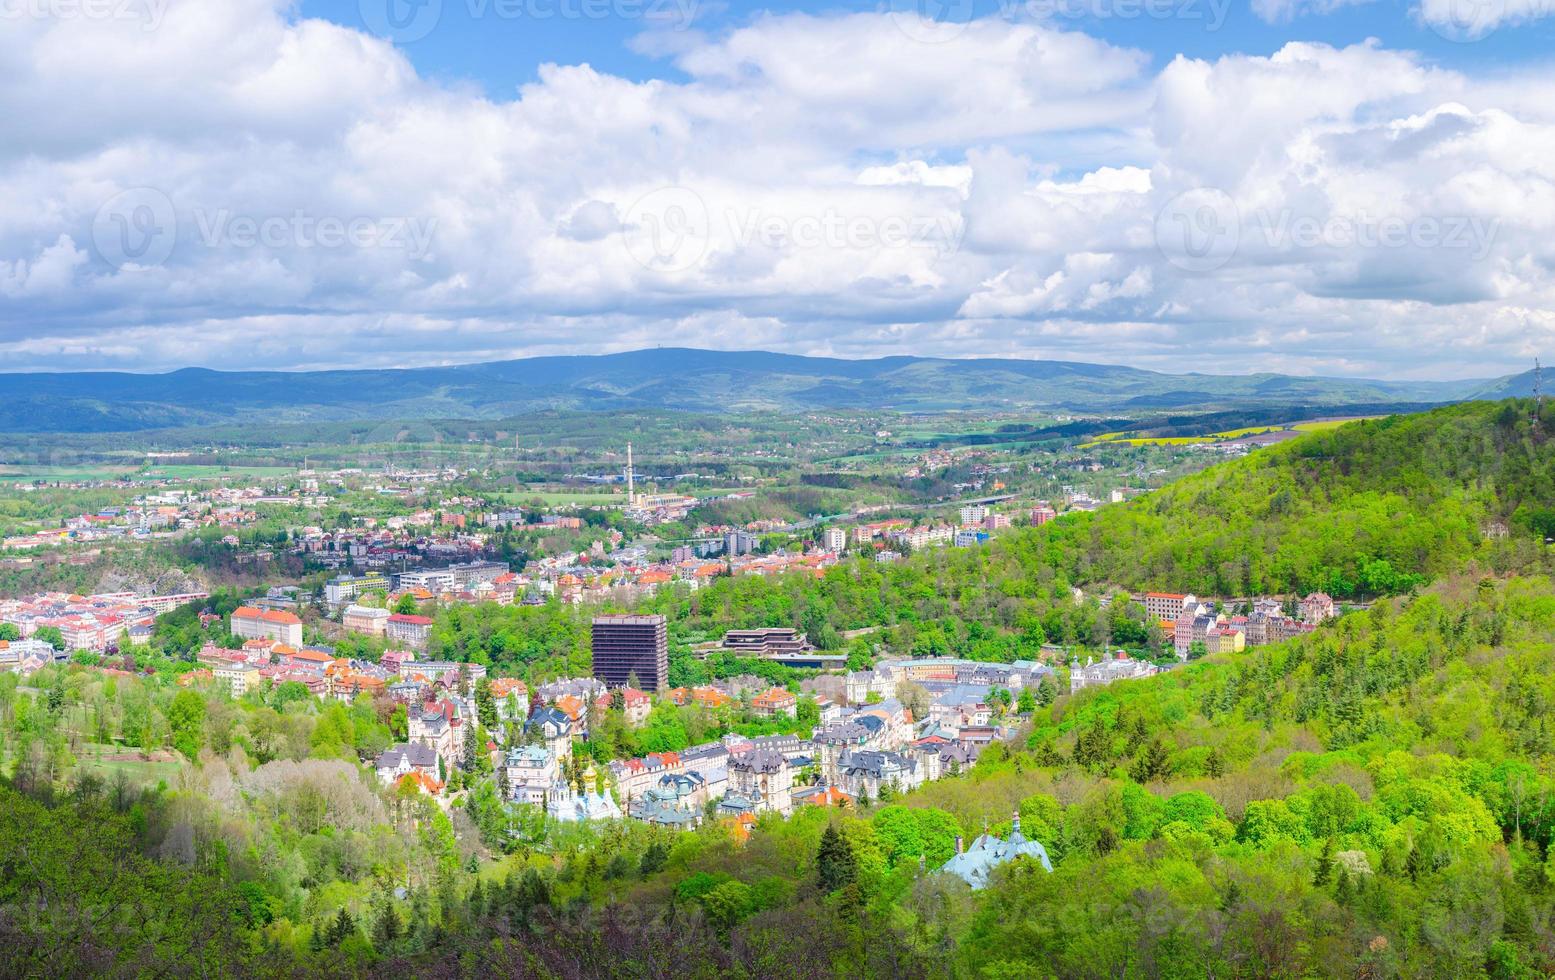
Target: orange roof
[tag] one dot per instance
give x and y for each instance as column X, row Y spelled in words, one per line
column 773, row 697
column 830, row 796
column 422, row 782
column 570, row 706
column 272, row 616
column 654, row 578
column 312, row 656
column 740, row 827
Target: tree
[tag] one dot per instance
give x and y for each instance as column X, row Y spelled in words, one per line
column 835, row 863
column 50, row 635
column 386, row 931
column 186, row 719
column 1027, row 702
column 655, row 856
column 1151, row 764
column 343, row 928
column 405, row 605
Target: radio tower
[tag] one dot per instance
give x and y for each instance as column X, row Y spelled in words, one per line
column 1538, row 396
column 631, row 485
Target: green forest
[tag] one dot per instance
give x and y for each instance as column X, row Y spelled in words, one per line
column 1375, row 799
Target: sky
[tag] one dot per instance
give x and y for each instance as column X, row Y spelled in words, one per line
column 1332, row 187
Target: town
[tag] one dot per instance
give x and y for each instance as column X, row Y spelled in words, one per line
column 833, row 737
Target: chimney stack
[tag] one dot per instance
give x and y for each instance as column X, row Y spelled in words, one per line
column 958, row 843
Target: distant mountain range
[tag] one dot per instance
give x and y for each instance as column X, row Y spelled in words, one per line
column 673, row 378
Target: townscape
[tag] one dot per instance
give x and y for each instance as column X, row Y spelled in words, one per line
column 428, row 714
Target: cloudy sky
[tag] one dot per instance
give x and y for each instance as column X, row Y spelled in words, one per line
column 1310, row 186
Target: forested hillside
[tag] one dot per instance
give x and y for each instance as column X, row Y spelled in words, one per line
column 1370, row 507
column 1375, row 799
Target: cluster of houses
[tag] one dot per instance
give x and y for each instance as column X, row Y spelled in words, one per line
column 1185, row 621
column 862, row 746
column 92, row 623
column 149, row 515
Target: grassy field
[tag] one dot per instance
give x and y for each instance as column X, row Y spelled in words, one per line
column 558, row 498
column 1251, row 430
column 180, row 471
column 64, row 474
column 1116, row 439
column 1321, row 425
column 108, row 759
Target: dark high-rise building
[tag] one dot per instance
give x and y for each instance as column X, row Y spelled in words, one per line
column 632, row 646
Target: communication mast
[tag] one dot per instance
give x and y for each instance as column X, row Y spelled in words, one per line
column 1538, row 395
column 631, row 485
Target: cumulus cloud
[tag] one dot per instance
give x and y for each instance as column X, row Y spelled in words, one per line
column 242, row 180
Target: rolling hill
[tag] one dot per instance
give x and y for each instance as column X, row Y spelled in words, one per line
column 674, row 378
column 1369, row 508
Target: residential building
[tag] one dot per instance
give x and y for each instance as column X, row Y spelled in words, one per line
column 763, row 778
column 863, row 773
column 238, row 678
column 531, row 771
column 254, row 624
column 365, row 619
column 412, row 631
column 773, row 702
column 1317, row 607
column 555, row 730
column 631, row 651
column 1166, row 605
column 343, row 589
column 834, row 539
column 1104, row 672
column 401, row 760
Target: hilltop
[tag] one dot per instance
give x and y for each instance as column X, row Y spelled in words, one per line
column 674, row 378
column 1370, row 507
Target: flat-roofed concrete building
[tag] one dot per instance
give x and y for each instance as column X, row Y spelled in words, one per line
column 631, row 651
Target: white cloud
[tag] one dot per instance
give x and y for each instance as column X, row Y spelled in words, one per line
column 835, row 186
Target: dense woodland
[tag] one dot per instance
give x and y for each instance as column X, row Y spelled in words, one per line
column 1376, row 799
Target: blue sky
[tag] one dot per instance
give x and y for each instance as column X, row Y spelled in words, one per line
column 1302, row 186
column 500, row 51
